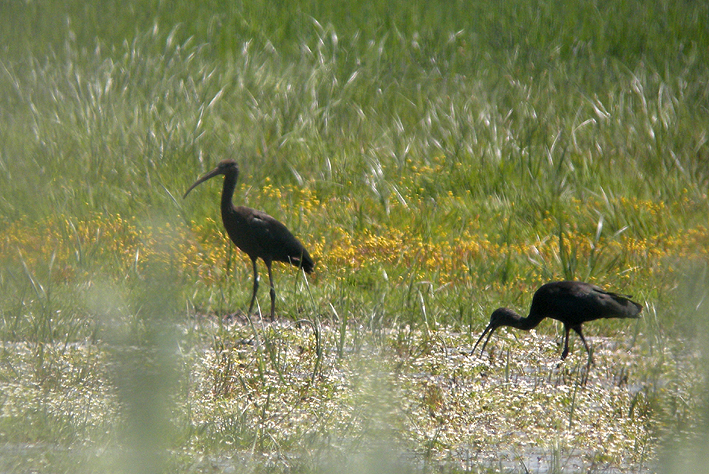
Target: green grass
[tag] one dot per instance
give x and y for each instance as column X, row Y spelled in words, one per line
column 438, row 159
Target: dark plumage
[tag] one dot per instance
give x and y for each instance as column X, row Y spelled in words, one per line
column 256, row 233
column 571, row 302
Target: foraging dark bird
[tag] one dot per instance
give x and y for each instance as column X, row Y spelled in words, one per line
column 570, row 302
column 256, row 233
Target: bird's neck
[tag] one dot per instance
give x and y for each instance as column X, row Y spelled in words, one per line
column 228, row 191
column 520, row 322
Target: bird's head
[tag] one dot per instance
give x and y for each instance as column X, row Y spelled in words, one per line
column 227, row 166
column 499, row 317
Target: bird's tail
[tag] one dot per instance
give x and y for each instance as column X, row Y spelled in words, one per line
column 628, row 308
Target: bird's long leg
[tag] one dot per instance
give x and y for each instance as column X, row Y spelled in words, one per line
column 566, row 342
column 253, row 295
column 273, row 290
column 583, row 339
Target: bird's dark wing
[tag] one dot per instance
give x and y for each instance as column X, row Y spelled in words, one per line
column 613, row 305
column 574, row 302
column 271, row 240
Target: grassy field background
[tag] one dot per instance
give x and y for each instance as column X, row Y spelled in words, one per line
column 438, row 159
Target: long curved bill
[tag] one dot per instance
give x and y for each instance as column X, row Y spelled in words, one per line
column 211, row 174
column 488, row 330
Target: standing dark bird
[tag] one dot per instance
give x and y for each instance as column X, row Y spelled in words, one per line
column 256, row 233
column 571, row 302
